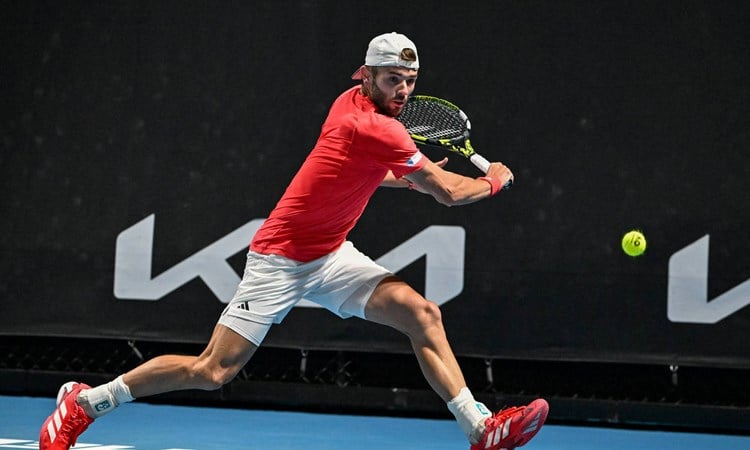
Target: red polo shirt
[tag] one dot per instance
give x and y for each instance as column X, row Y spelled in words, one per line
column 356, row 149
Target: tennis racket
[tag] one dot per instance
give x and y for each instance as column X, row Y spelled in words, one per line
column 437, row 122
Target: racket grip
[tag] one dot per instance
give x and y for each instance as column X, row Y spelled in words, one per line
column 480, row 161
column 484, row 165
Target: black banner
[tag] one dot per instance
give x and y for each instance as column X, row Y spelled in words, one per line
column 144, row 142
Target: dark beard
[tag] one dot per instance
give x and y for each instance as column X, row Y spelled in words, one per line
column 378, row 98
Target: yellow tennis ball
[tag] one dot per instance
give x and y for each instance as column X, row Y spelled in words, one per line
column 634, row 243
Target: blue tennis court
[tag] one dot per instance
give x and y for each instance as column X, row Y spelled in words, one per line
column 146, row 426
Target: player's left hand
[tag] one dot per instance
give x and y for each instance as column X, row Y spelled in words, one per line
column 442, row 162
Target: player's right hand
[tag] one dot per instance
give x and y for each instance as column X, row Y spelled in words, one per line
column 500, row 172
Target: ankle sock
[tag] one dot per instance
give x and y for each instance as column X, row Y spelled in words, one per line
column 470, row 414
column 102, row 399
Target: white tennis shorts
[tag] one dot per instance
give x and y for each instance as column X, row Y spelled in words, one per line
column 272, row 285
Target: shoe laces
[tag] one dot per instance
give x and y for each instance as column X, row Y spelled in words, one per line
column 504, row 414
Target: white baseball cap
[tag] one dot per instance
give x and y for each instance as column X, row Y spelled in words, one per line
column 385, row 50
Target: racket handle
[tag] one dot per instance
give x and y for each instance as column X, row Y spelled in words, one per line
column 484, row 165
column 480, row 161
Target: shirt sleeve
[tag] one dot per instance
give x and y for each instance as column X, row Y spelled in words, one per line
column 388, row 143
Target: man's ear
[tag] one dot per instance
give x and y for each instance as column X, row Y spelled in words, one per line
column 366, row 74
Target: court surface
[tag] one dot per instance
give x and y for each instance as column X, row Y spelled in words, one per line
column 146, row 426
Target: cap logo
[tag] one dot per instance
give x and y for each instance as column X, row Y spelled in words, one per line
column 407, row 55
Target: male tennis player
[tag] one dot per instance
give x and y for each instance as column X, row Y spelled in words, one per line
column 301, row 252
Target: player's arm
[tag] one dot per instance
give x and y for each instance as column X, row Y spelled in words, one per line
column 390, row 179
column 452, row 189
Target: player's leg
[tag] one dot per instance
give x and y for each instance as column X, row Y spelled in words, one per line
column 225, row 355
column 396, row 304
column 352, row 284
column 240, row 330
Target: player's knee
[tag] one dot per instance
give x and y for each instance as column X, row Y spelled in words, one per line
column 427, row 314
column 221, row 377
column 213, row 377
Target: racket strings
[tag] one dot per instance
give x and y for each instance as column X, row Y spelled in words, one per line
column 433, row 120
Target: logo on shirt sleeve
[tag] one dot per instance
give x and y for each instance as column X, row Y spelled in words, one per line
column 414, row 159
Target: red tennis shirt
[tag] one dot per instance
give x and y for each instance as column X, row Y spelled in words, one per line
column 356, row 149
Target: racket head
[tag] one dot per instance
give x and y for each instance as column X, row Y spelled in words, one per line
column 435, row 121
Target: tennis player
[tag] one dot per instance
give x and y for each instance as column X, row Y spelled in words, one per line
column 301, row 252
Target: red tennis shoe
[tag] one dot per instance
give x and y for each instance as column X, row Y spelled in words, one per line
column 67, row 422
column 513, row 427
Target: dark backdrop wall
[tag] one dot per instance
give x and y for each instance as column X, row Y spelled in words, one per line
column 182, row 122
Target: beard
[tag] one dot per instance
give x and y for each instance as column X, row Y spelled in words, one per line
column 383, row 102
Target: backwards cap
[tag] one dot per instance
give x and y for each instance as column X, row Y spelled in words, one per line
column 385, row 50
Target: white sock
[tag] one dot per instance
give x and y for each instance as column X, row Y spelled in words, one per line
column 102, row 399
column 470, row 414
